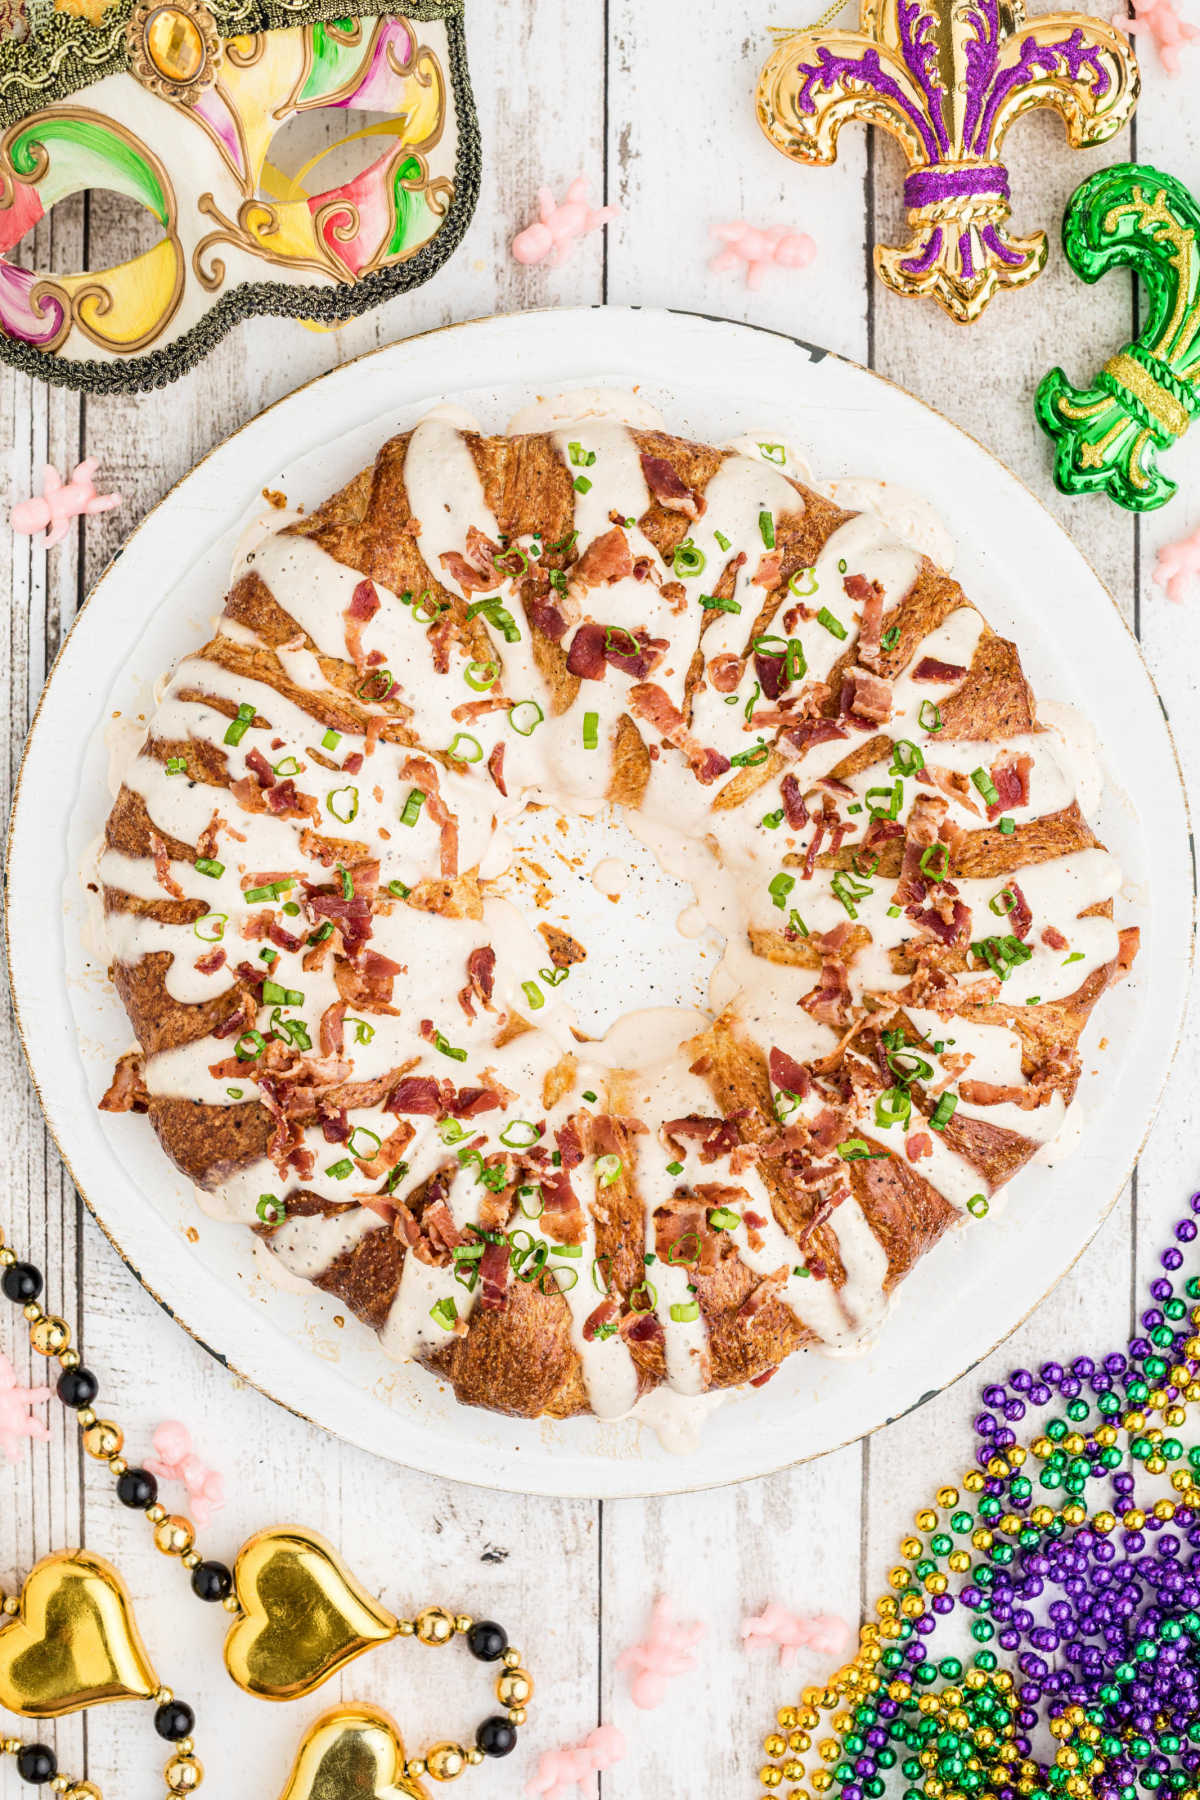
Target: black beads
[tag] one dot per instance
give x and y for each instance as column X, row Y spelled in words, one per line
column 37, row 1764
column 77, row 1388
column 487, row 1640
column 137, row 1489
column 211, row 1581
column 174, row 1720
column 21, row 1282
column 496, row 1737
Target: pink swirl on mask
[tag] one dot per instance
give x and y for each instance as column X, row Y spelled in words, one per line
column 559, row 1772
column 667, row 1652
column 823, row 1632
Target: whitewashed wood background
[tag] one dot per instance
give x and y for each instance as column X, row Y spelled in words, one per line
column 655, row 102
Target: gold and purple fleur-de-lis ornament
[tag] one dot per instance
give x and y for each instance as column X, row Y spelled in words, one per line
column 947, row 78
column 1108, row 435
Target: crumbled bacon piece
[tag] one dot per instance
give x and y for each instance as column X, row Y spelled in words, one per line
column 481, row 974
column 1020, row 914
column 1053, row 938
column 930, row 669
column 331, row 1032
column 869, row 595
column 420, row 770
column 604, row 1314
column 669, row 489
column 364, row 604
column 494, row 1266
column 770, row 567
column 787, row 1074
column 607, row 559
column 716, row 1137
column 476, row 571
column 762, row 1292
column 801, row 736
column 210, row 962
column 724, row 672
column 641, row 1328
column 162, row 867
column 829, row 1001
column 918, row 1145
column 650, row 703
column 495, row 768
column 866, row 696
column 1010, row 777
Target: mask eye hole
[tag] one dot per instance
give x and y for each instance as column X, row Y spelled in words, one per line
column 117, row 219
column 323, row 149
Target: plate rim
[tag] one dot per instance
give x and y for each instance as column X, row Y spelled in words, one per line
column 572, row 1490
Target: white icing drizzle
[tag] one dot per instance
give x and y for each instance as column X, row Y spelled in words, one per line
column 730, row 856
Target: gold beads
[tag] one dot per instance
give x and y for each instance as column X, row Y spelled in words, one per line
column 771, row 1777
column 414, row 1768
column 103, row 1440
column 512, row 1658
column 174, row 1535
column 446, row 1762
column 775, row 1745
column 517, row 1715
column 475, row 1756
column 463, row 1623
column 514, row 1687
column 183, row 1775
column 83, row 1790
column 434, row 1625
column 50, row 1336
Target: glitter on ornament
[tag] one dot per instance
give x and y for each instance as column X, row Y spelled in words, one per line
column 1040, row 1637
column 556, row 228
column 175, row 1460
column 757, row 251
column 16, row 1421
column 1168, row 31
column 667, row 1652
column 795, row 1631
column 1176, row 565
column 559, row 1772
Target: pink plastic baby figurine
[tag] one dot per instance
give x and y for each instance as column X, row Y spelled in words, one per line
column 1178, row 564
column 16, row 1420
column 557, row 226
column 823, row 1632
column 760, row 250
column 1168, row 30
column 668, row 1651
column 559, row 1772
column 175, row 1460
column 60, row 502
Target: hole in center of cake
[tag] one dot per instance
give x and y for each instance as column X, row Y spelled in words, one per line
column 647, row 943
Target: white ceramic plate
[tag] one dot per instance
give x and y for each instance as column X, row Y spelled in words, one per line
column 711, row 379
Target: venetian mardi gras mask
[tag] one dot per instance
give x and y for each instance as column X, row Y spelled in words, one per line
column 175, row 104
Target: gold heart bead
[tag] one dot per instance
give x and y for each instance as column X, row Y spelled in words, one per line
column 303, row 1615
column 74, row 1642
column 352, row 1750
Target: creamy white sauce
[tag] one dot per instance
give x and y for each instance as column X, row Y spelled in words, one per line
column 733, row 858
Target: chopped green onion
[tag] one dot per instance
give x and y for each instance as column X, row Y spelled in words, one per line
column 291, row 1031
column 907, row 1066
column 848, row 891
column 1033, row 1000
column 332, row 739
column 1007, row 827
column 684, row 1311
column 554, row 977
column 426, row 609
column 797, row 662
column 451, row 1131
column 379, row 681
column 608, row 1170
column 890, row 638
column 893, row 1107
column 581, row 458
column 412, row 807
column 267, row 955
column 444, row 1313
column 323, row 931
column 809, row 576
column 796, row 923
column 272, row 891
column 799, row 1269
column 249, row 1045
column 235, row 1093
column 525, row 717
column 906, row 758
column 766, row 526
column 270, row 1209
column 441, row 1042
column 779, row 887
column 363, row 1032
column 205, row 865
column 987, row 787
column 568, row 1249
column 978, row 1205
column 722, row 540
column 710, row 603
column 533, row 995
column 688, row 560
column 893, row 912
column 1075, row 956
column 855, row 1150
column 398, row 890
column 287, row 765
column 935, row 862
column 395, row 1177
column 943, row 1112
column 341, row 1170
column 774, row 453
column 750, row 759
column 723, row 1218
column 843, row 565
column 831, row 622
column 274, row 995
column 865, row 862
column 674, row 1168
column 752, row 701
column 591, row 733
column 1003, row 902
column 214, row 924
column 648, row 1289
column 1002, row 954
column 520, row 1134
column 589, row 1096
column 240, row 725
column 773, row 820
column 885, row 802
column 564, row 543
column 530, row 1201
column 363, row 1154
column 601, row 1276
column 929, row 716
column 343, row 804
column 176, row 765
column 481, row 675
column 582, row 485
column 471, row 755
column 497, row 615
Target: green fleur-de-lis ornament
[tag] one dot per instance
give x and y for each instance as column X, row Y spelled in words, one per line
column 1108, row 435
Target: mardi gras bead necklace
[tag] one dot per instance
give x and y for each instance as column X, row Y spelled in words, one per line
column 1111, row 1592
column 70, row 1641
